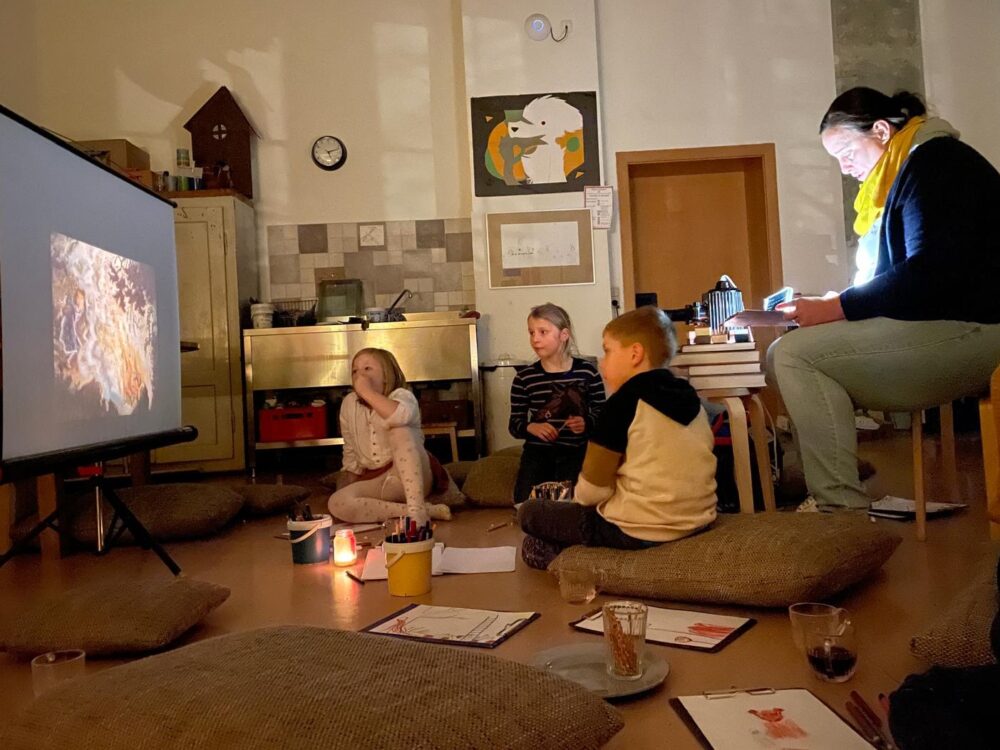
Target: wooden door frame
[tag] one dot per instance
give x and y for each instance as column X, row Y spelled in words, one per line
column 762, row 151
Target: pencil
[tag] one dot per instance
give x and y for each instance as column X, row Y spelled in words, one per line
column 354, row 578
column 496, row 526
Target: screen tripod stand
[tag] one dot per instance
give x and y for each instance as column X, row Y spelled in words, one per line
column 122, row 519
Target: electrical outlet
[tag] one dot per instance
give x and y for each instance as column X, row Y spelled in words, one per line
column 616, row 293
column 782, row 423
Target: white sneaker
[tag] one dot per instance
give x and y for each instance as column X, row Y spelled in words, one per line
column 808, row 505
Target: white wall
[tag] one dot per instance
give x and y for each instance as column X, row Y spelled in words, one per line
column 961, row 45
column 384, row 76
column 688, row 73
column 500, row 59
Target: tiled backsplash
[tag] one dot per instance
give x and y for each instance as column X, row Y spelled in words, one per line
column 430, row 257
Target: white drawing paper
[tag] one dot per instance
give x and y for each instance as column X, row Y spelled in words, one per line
column 556, row 243
column 470, row 626
column 450, row 560
column 678, row 627
column 782, row 720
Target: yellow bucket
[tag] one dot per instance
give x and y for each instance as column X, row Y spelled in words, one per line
column 408, row 567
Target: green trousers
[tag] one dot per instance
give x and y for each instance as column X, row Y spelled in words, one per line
column 825, row 372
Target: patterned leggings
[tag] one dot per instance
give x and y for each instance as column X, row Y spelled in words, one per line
column 382, row 498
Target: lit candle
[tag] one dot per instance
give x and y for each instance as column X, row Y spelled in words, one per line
column 345, row 551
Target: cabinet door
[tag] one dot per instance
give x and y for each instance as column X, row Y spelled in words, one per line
column 206, row 381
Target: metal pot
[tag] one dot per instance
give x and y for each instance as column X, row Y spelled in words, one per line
column 376, row 315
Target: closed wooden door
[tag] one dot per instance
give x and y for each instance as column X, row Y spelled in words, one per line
column 206, row 377
column 691, row 215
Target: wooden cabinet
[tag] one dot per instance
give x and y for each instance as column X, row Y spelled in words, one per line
column 216, row 274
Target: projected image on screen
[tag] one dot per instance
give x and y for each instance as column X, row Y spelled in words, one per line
column 103, row 328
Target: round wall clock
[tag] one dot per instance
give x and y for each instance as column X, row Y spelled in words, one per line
column 329, row 152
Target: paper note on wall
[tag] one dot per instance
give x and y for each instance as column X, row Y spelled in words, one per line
column 535, row 245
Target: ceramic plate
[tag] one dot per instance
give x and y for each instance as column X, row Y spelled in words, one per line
column 583, row 663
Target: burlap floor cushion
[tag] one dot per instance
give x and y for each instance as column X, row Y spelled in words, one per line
column 267, row 499
column 307, row 687
column 170, row 512
column 459, row 471
column 490, row 482
column 960, row 636
column 764, row 559
column 510, row 450
column 121, row 617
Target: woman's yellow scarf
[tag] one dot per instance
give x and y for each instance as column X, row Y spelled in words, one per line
column 875, row 188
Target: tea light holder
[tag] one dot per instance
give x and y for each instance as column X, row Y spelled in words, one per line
column 345, row 547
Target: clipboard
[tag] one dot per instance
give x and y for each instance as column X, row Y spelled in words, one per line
column 680, row 628
column 437, row 613
column 759, row 319
column 736, row 719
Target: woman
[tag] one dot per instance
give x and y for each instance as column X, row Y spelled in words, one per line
column 921, row 326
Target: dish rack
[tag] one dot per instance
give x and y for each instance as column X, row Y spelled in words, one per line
column 294, row 312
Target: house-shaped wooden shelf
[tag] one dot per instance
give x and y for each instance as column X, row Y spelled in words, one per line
column 220, row 134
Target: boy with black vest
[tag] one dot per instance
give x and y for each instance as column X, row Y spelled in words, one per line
column 649, row 472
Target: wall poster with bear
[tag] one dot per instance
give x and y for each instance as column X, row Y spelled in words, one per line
column 535, row 143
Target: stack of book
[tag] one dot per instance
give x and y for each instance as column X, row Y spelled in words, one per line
column 713, row 366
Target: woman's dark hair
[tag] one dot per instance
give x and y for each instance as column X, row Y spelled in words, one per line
column 861, row 107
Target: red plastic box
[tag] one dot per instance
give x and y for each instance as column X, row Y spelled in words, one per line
column 292, row 423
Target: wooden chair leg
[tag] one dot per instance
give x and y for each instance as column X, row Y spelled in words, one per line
column 741, row 451
column 991, row 463
column 6, row 515
column 758, row 430
column 454, row 444
column 919, row 499
column 948, row 452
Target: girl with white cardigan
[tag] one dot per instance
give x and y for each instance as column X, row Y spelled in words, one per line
column 384, row 456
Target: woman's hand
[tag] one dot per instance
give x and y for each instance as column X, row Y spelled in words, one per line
column 576, row 424
column 543, row 431
column 812, row 311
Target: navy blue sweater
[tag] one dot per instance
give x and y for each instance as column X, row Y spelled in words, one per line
column 939, row 248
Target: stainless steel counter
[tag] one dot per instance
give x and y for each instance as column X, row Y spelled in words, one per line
column 436, row 348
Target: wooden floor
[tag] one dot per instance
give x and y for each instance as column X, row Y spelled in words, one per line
column 267, row 589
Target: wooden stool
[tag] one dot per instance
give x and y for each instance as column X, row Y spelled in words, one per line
column 736, row 401
column 989, row 429
column 444, row 428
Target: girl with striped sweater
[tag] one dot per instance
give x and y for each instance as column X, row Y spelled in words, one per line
column 554, row 403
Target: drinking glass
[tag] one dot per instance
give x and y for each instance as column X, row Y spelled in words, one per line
column 625, row 636
column 809, row 617
column 833, row 656
column 579, row 585
column 48, row 670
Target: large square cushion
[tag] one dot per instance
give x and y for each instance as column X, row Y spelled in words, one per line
column 308, row 687
column 490, row 481
column 763, row 559
column 117, row 617
column 170, row 512
column 268, row 499
column 960, row 636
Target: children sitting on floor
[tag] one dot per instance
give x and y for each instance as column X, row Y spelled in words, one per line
column 649, row 472
column 384, row 454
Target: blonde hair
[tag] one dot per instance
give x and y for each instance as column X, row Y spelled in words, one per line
column 557, row 317
column 392, row 373
column 649, row 326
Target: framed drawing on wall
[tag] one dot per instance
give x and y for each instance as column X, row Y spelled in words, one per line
column 540, row 248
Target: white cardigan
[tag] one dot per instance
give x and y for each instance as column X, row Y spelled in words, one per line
column 366, row 434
